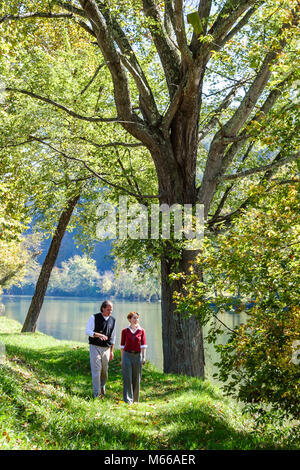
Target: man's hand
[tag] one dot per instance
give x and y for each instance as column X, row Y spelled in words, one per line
column 101, row 336
column 111, row 355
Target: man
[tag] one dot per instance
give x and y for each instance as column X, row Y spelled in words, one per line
column 101, row 330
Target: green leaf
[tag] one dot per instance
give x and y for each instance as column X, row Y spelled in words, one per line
column 194, row 20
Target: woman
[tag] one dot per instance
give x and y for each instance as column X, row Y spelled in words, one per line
column 133, row 355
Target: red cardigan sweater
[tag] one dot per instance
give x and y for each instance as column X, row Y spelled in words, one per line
column 133, row 341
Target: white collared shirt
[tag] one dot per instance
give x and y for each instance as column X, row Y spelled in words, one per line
column 90, row 327
column 134, row 331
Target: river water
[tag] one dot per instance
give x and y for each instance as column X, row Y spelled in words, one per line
column 66, row 318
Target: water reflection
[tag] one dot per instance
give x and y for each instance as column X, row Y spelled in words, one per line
column 65, row 318
column 229, row 321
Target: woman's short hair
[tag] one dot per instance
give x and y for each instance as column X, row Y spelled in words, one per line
column 104, row 305
column 130, row 315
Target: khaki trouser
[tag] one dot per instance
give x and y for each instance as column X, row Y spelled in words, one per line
column 99, row 358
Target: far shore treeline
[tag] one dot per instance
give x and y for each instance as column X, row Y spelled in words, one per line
column 78, row 276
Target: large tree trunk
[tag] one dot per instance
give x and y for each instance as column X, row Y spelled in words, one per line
column 183, row 347
column 43, row 280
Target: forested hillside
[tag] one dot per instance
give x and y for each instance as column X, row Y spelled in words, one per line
column 104, row 261
column 69, row 249
column 78, row 274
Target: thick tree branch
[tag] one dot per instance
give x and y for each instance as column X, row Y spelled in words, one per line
column 224, row 105
column 259, row 115
column 229, row 189
column 180, row 32
column 237, row 27
column 204, row 13
column 217, row 160
column 146, row 99
column 270, row 166
column 106, row 44
column 169, row 18
column 129, row 59
column 227, row 218
column 131, row 62
column 72, row 9
column 103, row 32
column 244, row 110
column 100, row 18
column 230, row 13
column 172, row 108
column 41, row 14
column 167, row 52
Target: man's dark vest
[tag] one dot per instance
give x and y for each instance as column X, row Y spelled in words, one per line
column 102, row 326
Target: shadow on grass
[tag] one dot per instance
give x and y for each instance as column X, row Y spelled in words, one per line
column 70, row 368
column 59, row 365
column 201, row 428
column 157, row 385
column 58, row 425
column 185, row 429
column 193, row 426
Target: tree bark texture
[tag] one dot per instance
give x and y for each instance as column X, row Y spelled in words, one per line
column 183, row 347
column 182, row 336
column 43, row 280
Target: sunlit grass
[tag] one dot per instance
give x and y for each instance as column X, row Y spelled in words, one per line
column 46, row 403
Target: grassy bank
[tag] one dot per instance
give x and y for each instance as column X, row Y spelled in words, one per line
column 46, row 403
